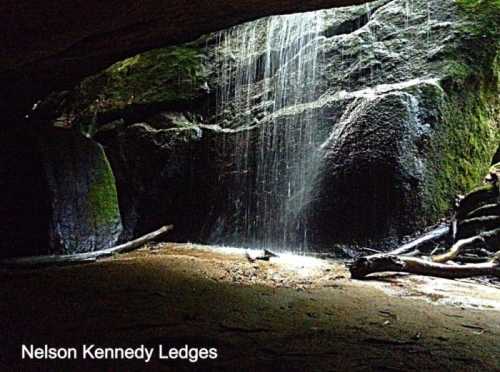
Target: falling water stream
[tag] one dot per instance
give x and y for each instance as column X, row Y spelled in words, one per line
column 268, row 67
column 269, row 74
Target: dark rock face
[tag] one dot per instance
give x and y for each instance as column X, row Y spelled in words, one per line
column 46, row 47
column 496, row 157
column 409, row 119
column 58, row 193
column 400, row 94
column 163, row 176
column 85, row 215
column 371, row 186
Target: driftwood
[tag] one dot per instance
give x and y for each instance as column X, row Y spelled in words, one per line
column 381, row 263
column 474, row 232
column 266, row 256
column 79, row 258
column 424, row 241
column 457, row 248
column 435, row 265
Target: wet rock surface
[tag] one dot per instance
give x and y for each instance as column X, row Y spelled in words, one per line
column 85, row 215
column 58, row 191
column 163, row 176
column 401, row 129
column 372, row 181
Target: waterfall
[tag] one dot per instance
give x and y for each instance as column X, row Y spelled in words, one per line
column 268, row 73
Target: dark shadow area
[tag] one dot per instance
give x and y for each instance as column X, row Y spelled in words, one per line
column 24, row 207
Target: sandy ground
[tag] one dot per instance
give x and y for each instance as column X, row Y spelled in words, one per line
column 288, row 314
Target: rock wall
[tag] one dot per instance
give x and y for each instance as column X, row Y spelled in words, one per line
column 58, row 193
column 409, row 118
column 408, row 134
column 49, row 47
column 85, row 215
column 164, row 175
column 409, row 110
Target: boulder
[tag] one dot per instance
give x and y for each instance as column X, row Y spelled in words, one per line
column 164, row 176
column 84, row 207
column 372, row 181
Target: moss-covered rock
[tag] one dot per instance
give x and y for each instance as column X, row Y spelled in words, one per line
column 484, row 16
column 469, row 133
column 452, row 134
column 169, row 74
column 85, row 213
column 155, row 78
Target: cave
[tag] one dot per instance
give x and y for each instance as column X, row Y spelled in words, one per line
column 250, row 185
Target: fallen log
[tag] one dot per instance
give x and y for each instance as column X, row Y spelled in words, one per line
column 457, row 248
column 466, row 258
column 425, row 240
column 388, row 263
column 79, row 258
column 490, row 239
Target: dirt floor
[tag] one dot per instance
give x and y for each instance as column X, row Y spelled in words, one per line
column 289, row 314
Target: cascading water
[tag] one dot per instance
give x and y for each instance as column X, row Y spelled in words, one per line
column 273, row 94
column 268, row 73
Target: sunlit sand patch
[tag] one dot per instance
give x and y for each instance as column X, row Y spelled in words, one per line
column 300, row 272
column 299, row 266
column 440, row 291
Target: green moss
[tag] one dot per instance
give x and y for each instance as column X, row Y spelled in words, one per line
column 484, row 16
column 458, row 71
column 156, row 76
column 102, row 196
column 159, row 76
column 466, row 142
column 469, row 133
